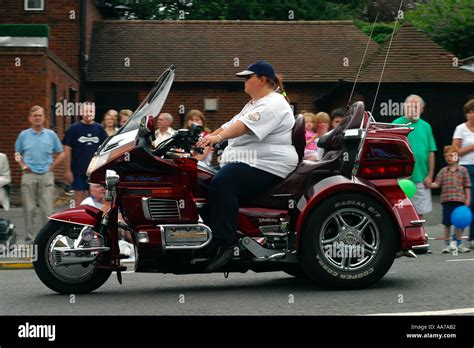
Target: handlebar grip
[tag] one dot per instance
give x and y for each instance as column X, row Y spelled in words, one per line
column 199, row 150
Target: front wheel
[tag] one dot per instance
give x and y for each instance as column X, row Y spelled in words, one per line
column 67, row 258
column 349, row 242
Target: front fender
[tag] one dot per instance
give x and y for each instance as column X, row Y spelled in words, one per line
column 387, row 192
column 82, row 215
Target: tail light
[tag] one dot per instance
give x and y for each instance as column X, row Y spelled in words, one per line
column 386, row 158
column 392, row 171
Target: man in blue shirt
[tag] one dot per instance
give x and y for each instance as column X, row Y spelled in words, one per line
column 80, row 142
column 34, row 153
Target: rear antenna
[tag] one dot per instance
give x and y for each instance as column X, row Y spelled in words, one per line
column 386, row 56
column 362, row 62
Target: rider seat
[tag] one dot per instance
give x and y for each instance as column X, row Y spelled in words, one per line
column 293, row 186
column 298, row 137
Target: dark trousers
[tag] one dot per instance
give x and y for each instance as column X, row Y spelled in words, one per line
column 470, row 168
column 233, row 184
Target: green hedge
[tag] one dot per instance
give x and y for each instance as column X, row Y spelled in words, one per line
column 24, row 30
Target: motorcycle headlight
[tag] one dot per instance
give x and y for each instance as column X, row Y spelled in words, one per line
column 111, row 178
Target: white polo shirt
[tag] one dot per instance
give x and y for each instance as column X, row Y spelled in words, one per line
column 162, row 137
column 268, row 147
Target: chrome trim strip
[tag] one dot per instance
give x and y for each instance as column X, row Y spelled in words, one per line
column 145, row 207
column 417, row 222
column 183, row 247
column 422, row 246
column 163, row 237
column 70, row 222
column 394, row 125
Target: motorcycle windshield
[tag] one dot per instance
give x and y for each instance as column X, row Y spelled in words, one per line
column 151, row 105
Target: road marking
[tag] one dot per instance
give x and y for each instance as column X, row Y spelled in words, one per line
column 16, row 265
column 459, row 260
column 441, row 312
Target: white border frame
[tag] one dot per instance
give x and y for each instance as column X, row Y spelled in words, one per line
column 25, row 6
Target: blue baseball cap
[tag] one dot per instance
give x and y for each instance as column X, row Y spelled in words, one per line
column 261, row 68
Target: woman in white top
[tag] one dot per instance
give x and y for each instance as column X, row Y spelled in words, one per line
column 260, row 154
column 463, row 138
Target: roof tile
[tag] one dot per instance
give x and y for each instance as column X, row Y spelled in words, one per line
column 413, row 57
column 207, row 50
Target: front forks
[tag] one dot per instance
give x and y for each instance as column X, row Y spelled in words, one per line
column 108, row 228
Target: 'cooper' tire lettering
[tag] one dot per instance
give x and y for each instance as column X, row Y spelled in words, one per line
column 316, row 264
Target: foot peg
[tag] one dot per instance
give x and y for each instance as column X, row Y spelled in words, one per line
column 194, row 261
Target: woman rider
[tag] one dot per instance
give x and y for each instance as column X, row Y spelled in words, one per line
column 260, row 154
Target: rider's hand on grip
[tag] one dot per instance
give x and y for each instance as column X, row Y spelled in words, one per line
column 199, row 150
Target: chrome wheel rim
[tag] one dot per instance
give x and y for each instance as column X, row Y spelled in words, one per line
column 59, row 243
column 349, row 239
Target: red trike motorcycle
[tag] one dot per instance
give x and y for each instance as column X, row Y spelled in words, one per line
column 339, row 222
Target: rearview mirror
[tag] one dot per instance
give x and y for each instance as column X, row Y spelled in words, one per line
column 147, row 127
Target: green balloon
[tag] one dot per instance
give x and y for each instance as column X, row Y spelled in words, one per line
column 408, row 187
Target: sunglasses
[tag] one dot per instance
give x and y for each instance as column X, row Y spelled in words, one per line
column 248, row 77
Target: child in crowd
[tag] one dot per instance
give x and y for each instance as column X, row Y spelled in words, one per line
column 337, row 115
column 455, row 186
column 310, row 150
column 322, row 121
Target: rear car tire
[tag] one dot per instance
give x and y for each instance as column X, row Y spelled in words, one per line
column 348, row 242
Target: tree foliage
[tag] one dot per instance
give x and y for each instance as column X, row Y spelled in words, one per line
column 240, row 9
column 450, row 23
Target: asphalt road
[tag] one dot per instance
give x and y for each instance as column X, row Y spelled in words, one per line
column 430, row 283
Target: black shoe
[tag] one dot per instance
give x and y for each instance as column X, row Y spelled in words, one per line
column 208, row 251
column 225, row 253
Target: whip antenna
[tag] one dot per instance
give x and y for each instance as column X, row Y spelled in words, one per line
column 363, row 58
column 386, row 56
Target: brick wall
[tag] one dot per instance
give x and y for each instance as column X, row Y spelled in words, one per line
column 20, row 88
column 93, row 15
column 63, row 82
column 24, row 86
column 64, row 32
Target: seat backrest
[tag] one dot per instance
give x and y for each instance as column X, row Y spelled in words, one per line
column 297, row 137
